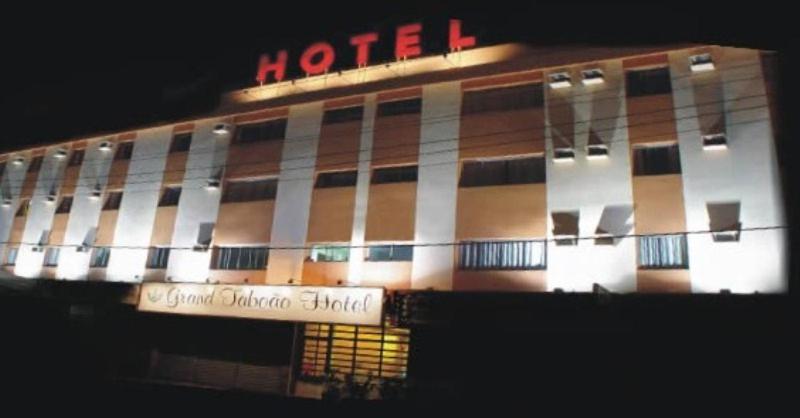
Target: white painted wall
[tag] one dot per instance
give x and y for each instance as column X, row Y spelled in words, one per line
column 12, row 178
column 293, row 200
column 357, row 252
column 746, row 172
column 437, row 186
column 40, row 215
column 588, row 186
column 197, row 204
column 137, row 211
column 85, row 211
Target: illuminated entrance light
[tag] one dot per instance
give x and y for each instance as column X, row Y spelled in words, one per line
column 596, row 152
column 715, row 142
column 560, row 80
column 105, row 146
column 701, row 63
column 592, row 77
column 563, row 155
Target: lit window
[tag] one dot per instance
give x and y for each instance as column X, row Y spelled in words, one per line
column 264, row 131
column 647, row 82
column 100, row 257
column 663, row 252
column 390, row 253
column 239, row 258
column 249, row 190
column 656, row 160
column 502, row 255
column 528, row 170
column 329, row 253
column 170, row 196
column 51, row 256
column 157, row 257
column 403, row 174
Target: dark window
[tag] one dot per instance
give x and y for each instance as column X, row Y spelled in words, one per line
column 170, row 196
column 503, row 98
column 499, row 172
column 502, row 255
column 35, row 164
column 124, row 151
column 113, row 201
column 76, row 158
column 265, row 131
column 24, row 204
column 390, row 253
column 249, row 190
column 399, row 107
column 649, row 161
column 347, row 114
column 663, row 252
column 336, row 179
column 646, row 82
column 394, row 174
column 65, row 205
column 100, row 257
column 180, row 143
column 239, row 258
column 2, row 167
column 157, row 257
column 11, row 256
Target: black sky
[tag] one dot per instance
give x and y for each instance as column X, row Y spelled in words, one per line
column 73, row 72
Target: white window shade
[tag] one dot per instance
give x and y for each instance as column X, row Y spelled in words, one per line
column 724, row 222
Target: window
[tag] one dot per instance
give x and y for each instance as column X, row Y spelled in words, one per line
column 157, row 257
column 76, row 158
column 35, row 164
column 336, row 179
column 11, row 256
column 100, row 257
column 113, row 201
column 402, row 174
column 390, row 253
column 399, row 107
column 2, row 167
column 180, row 143
column 503, row 99
column 329, row 253
column 170, row 196
column 124, row 151
column 358, row 351
column 651, row 161
column 249, row 190
column 239, row 258
column 24, row 204
column 502, row 255
column 499, row 172
column 65, row 205
column 264, row 131
column 51, row 256
column 663, row 252
column 647, row 82
column 724, row 221
column 565, row 227
column 347, row 114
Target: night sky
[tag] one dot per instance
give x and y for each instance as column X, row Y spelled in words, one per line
column 72, row 72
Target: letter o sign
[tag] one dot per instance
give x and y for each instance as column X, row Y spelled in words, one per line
column 317, row 58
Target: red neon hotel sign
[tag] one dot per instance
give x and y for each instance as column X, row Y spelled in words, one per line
column 320, row 56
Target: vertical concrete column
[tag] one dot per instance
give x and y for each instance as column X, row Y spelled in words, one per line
column 12, row 179
column 357, row 252
column 437, row 187
column 293, row 200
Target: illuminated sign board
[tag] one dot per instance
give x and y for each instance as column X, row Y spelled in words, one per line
column 340, row 305
column 320, row 56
